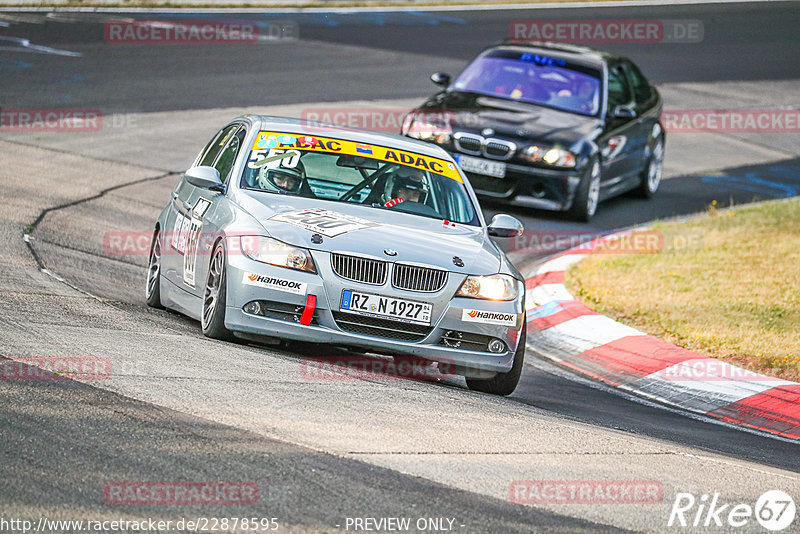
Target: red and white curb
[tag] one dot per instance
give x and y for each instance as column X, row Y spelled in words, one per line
column 566, row 331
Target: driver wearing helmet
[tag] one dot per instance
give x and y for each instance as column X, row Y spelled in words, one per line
column 409, row 186
column 282, row 179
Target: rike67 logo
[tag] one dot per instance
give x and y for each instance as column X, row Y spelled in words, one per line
column 774, row 510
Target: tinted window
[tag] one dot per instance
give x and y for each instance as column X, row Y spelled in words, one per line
column 533, row 78
column 215, row 146
column 641, row 87
column 227, row 157
column 619, row 92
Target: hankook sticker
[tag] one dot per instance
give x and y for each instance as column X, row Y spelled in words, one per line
column 479, row 316
column 272, row 282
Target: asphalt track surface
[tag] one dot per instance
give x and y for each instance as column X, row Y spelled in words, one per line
column 63, row 440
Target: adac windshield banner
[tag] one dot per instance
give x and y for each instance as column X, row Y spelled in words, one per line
column 280, row 140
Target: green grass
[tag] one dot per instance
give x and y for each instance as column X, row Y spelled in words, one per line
column 726, row 284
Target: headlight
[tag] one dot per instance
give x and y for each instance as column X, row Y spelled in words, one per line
column 494, row 287
column 272, row 251
column 557, row 157
column 427, row 127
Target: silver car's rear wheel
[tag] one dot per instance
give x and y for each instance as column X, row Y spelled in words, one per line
column 152, row 291
column 212, row 318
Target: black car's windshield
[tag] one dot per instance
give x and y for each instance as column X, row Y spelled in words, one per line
column 533, row 78
column 346, row 171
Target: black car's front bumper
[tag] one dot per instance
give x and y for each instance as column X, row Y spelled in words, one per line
column 549, row 189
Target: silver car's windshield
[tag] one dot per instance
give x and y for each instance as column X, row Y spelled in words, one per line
column 347, row 171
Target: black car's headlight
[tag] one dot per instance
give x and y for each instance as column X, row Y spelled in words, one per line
column 553, row 156
column 274, row 252
column 493, row 287
column 427, row 127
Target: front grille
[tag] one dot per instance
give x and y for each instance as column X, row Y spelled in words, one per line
column 386, row 328
column 415, row 278
column 469, row 144
column 365, row 270
column 498, row 149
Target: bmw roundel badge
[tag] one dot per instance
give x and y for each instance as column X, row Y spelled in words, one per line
column 390, row 252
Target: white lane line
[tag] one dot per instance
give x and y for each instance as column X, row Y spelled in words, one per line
column 24, row 45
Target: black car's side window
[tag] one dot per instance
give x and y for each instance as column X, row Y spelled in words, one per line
column 227, row 157
column 213, row 149
column 642, row 91
column 619, row 91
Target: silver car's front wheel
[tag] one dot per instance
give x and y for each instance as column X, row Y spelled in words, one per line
column 212, row 318
column 152, row 291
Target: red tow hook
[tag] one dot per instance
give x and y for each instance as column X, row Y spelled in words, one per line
column 308, row 312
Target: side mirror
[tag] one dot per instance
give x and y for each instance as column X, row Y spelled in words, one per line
column 205, row 177
column 624, row 112
column 503, row 225
column 440, row 78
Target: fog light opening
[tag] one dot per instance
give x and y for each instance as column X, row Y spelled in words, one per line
column 253, row 307
column 452, row 339
column 538, row 191
column 497, row 346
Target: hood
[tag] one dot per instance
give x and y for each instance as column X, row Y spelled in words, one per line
column 367, row 231
column 509, row 118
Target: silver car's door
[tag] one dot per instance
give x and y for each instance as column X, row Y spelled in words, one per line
column 208, row 215
column 182, row 210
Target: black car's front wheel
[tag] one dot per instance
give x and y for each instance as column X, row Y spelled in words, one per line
column 503, row 383
column 587, row 195
column 214, row 298
column 651, row 174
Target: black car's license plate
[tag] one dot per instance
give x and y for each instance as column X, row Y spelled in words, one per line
column 378, row 306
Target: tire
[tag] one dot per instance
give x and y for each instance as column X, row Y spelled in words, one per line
column 651, row 174
column 587, row 196
column 152, row 290
column 212, row 317
column 503, row 383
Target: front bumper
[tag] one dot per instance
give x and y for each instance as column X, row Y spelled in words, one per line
column 332, row 327
column 549, row 189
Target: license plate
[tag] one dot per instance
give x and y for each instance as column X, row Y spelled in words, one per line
column 496, row 169
column 408, row 311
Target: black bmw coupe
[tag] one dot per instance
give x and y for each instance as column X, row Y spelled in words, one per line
column 560, row 126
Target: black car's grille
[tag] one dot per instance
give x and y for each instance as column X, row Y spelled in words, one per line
column 365, row 270
column 386, row 328
column 499, row 149
column 469, row 144
column 480, row 146
column 415, row 278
